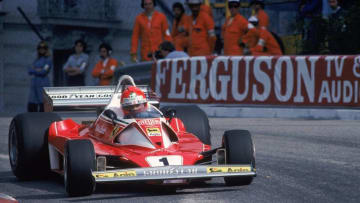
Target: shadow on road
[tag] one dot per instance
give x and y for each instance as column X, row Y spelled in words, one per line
column 52, row 184
column 138, row 190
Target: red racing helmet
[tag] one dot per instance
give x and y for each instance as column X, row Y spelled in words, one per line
column 132, row 97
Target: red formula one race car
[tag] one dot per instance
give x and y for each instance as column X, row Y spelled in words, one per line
column 167, row 146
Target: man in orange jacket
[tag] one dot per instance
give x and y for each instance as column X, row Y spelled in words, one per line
column 201, row 33
column 105, row 68
column 257, row 7
column 207, row 9
column 267, row 44
column 180, row 27
column 236, row 31
column 151, row 28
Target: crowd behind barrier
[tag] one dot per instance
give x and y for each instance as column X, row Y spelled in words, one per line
column 327, row 27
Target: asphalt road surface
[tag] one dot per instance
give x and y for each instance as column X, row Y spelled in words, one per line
column 297, row 161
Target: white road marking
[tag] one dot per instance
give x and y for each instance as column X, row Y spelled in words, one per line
column 4, row 156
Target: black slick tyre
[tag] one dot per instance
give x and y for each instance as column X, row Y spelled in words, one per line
column 28, row 144
column 239, row 150
column 194, row 119
column 79, row 162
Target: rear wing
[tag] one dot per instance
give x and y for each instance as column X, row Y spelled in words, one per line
column 85, row 97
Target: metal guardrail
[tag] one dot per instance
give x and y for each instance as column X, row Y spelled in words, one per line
column 140, row 72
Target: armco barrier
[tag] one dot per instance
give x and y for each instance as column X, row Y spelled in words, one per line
column 264, row 81
column 141, row 72
column 316, row 74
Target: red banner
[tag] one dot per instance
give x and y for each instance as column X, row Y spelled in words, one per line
column 265, row 80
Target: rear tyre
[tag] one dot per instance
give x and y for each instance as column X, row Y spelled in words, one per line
column 79, row 162
column 194, row 119
column 28, row 144
column 239, row 150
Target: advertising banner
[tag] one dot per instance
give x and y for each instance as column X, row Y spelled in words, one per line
column 263, row 80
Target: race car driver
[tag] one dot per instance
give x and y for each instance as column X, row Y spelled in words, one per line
column 134, row 104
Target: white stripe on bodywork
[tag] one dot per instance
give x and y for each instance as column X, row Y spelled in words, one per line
column 177, row 125
column 56, row 131
column 83, row 132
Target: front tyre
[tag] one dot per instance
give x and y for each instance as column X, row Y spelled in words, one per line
column 28, row 144
column 239, row 150
column 79, row 162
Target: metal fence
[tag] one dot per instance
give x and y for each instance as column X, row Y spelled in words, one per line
column 140, row 72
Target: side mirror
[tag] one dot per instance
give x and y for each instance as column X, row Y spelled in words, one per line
column 170, row 113
column 111, row 114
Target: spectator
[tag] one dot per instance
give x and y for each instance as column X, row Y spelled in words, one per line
column 151, row 28
column 235, row 29
column 201, row 32
column 326, row 9
column 76, row 64
column 257, row 7
column 313, row 26
column 338, row 35
column 207, row 9
column 180, row 27
column 267, row 44
column 39, row 71
column 168, row 51
column 105, row 68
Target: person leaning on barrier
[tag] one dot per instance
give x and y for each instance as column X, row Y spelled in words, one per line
column 201, row 33
column 39, row 71
column 257, row 9
column 267, row 44
column 151, row 28
column 76, row 64
column 105, row 68
column 168, row 51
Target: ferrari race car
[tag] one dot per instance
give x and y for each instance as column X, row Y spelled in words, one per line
column 167, row 146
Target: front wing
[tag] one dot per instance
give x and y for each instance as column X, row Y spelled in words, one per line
column 174, row 172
